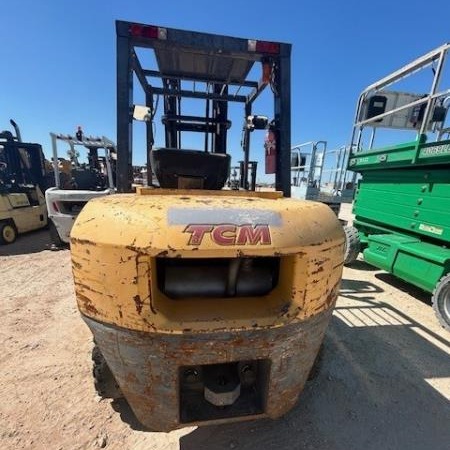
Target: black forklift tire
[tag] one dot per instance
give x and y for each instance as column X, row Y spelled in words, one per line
column 352, row 244
column 105, row 384
column 317, row 365
column 441, row 301
column 8, row 232
column 56, row 241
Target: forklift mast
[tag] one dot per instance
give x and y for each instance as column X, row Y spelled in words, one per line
column 203, row 66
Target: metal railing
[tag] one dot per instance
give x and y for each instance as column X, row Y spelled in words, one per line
column 436, row 59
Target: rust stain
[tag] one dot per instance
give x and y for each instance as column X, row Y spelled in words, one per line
column 82, row 241
column 87, row 304
column 284, row 309
column 318, row 270
column 319, row 262
column 89, row 288
column 139, row 303
column 332, row 294
column 130, row 377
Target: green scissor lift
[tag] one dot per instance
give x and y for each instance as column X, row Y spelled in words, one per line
column 402, row 203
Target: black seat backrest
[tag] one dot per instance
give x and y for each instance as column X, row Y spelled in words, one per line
column 190, row 169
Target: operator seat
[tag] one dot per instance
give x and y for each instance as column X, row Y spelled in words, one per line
column 190, row 169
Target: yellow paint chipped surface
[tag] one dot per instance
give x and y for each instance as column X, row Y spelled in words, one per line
column 116, row 240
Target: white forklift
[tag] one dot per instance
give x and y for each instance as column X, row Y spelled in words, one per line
column 78, row 179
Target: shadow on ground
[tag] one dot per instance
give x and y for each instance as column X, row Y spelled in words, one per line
column 33, row 242
column 358, row 289
column 403, row 286
column 360, row 264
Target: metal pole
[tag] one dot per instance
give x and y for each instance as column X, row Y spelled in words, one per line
column 282, row 107
column 372, row 138
column 342, row 166
column 324, row 144
column 55, row 160
column 246, row 146
column 108, row 168
column 207, row 123
column 254, row 166
column 149, row 136
column 430, row 103
column 312, row 163
column 357, row 114
column 220, row 112
column 241, row 174
column 124, row 118
column 338, row 166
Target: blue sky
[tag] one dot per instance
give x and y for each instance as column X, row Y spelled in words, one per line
column 58, row 57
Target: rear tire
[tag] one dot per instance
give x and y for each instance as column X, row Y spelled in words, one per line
column 441, row 301
column 57, row 242
column 8, row 233
column 352, row 245
column 105, row 384
column 317, row 365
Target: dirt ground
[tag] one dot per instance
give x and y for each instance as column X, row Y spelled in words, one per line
column 384, row 382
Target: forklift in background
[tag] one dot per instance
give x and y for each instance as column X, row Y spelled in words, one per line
column 402, row 203
column 85, row 175
column 206, row 305
column 236, row 177
column 23, row 181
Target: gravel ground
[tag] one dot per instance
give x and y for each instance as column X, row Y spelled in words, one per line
column 384, row 382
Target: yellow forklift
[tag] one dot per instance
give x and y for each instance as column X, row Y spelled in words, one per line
column 23, row 180
column 206, row 305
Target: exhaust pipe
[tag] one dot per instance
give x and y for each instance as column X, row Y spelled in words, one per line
column 17, row 130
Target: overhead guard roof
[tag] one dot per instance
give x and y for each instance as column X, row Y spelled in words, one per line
column 204, row 65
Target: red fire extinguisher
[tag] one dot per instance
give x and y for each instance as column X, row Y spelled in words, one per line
column 270, row 145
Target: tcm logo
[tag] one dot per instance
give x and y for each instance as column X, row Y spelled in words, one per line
column 230, row 234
